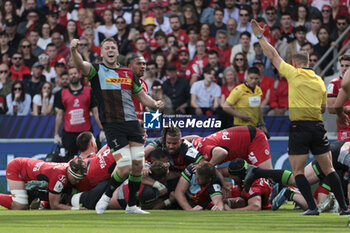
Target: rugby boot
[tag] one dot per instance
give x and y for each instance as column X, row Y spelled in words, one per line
column 102, row 204
column 344, row 212
column 134, row 210
column 36, row 184
column 279, row 200
column 311, row 212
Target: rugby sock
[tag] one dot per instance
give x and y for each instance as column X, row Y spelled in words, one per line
column 134, row 186
column 305, row 189
column 113, row 184
column 289, row 194
column 6, row 200
column 278, row 176
column 337, row 189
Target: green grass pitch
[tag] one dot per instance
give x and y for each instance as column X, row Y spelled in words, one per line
column 167, row 221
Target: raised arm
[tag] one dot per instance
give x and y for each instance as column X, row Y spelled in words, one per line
column 268, row 49
column 345, row 84
column 82, row 65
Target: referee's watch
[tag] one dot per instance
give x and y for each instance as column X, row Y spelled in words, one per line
column 260, row 36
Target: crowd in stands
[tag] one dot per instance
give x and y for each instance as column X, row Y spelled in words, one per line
column 197, row 51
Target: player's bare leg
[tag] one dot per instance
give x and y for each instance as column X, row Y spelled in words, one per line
column 19, row 195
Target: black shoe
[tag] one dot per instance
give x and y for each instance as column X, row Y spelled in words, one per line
column 249, row 178
column 311, row 212
column 344, row 212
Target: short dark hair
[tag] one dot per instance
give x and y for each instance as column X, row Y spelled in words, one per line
column 300, row 28
column 342, row 17
column 83, row 140
column 211, row 52
column 174, row 16
column 158, row 170
column 206, row 170
column 270, row 8
column 190, row 29
column 156, row 83
column 307, row 43
column 158, row 154
column 285, row 14
column 218, row 9
column 160, row 33
column 345, row 57
column 246, row 33
column 133, row 57
column 253, row 70
column 208, row 70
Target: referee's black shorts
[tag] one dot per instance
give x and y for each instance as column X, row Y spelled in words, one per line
column 307, row 135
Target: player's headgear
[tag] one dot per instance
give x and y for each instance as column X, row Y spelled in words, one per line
column 77, row 168
column 238, row 167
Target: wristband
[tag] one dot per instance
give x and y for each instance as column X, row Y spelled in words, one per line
column 75, row 208
column 260, row 36
column 167, row 202
column 158, row 185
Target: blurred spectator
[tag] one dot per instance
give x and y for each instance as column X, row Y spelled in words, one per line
column 259, row 55
column 161, row 64
column 233, row 34
column 162, row 44
column 32, row 83
column 100, row 6
column 301, row 16
column 28, row 55
column 338, row 10
column 108, row 27
column 203, row 11
column 320, row 3
column 295, row 46
column 321, row 48
column 214, row 63
column 244, row 18
column 4, row 44
column 315, row 25
column 218, row 23
column 204, row 34
column 244, row 101
column 89, row 34
column 230, row 82
column 129, row 5
column 205, row 94
column 223, row 48
column 173, row 50
column 71, row 32
column 64, row 14
column 342, row 24
column 141, row 48
column 174, row 8
column 157, row 94
column 175, row 25
column 177, row 89
column 18, row 102
column 18, row 68
column 266, row 85
column 31, row 23
column 164, row 3
column 53, row 21
column 184, row 68
column 136, row 21
column 8, row 11
column 201, row 57
column 48, row 71
column 150, row 75
column 11, row 29
column 313, row 59
column 287, row 30
column 230, row 11
column 57, row 40
column 5, row 80
column 50, row 5
column 243, row 47
column 193, row 37
column 240, row 64
column 61, row 81
column 327, row 18
column 312, row 10
column 279, row 98
column 118, row 11
column 162, row 22
column 189, row 17
column 54, row 57
column 257, row 11
column 307, row 47
column 33, row 38
column 284, row 6
column 144, row 8
column 149, row 26
column 82, row 15
column 45, row 36
column 86, row 52
column 280, row 45
column 272, row 17
column 43, row 102
column 124, row 43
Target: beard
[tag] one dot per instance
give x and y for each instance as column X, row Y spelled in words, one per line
column 75, row 81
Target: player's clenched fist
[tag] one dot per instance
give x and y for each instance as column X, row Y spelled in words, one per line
column 74, row 44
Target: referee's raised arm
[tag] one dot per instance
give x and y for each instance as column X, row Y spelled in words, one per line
column 268, row 49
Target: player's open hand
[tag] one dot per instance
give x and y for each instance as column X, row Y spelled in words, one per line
column 74, row 44
column 257, row 30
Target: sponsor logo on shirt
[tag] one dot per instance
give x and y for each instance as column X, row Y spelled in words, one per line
column 121, row 80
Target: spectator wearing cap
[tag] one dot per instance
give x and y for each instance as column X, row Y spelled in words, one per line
column 51, row 50
column 118, row 11
column 214, row 63
column 177, row 89
column 53, row 21
column 223, row 48
column 25, row 49
column 175, row 24
column 271, row 17
column 161, row 21
column 266, row 85
column 218, row 24
column 230, row 11
column 193, row 37
column 149, row 26
column 32, row 83
column 232, row 33
column 327, row 18
column 4, row 44
column 145, row 9
column 33, row 38
column 123, row 42
column 287, row 30
column 57, row 40
column 295, row 46
column 18, row 69
column 243, row 47
column 279, row 98
column 158, row 94
column 5, row 80
column 244, row 17
column 205, row 94
column 11, row 29
column 315, row 24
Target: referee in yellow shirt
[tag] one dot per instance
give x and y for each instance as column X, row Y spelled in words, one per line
column 307, row 98
column 244, row 101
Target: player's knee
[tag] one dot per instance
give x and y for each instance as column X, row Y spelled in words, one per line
column 137, row 166
column 20, row 199
column 124, row 172
column 137, row 153
column 125, row 159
